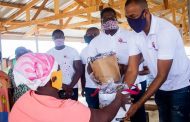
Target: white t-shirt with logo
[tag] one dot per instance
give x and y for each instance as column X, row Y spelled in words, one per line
column 165, row 43
column 65, row 59
column 117, row 43
column 84, row 58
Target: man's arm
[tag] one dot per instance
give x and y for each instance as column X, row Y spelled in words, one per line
column 163, row 70
column 132, row 69
column 77, row 64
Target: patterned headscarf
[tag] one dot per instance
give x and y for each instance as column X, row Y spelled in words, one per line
column 34, row 69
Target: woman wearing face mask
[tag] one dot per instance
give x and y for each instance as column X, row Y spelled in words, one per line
column 41, row 73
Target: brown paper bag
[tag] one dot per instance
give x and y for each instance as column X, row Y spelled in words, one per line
column 106, row 68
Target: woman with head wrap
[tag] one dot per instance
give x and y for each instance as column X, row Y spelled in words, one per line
column 41, row 73
column 17, row 91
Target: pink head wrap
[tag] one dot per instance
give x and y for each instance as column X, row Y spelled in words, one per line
column 34, row 69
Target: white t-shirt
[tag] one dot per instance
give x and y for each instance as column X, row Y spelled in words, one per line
column 163, row 42
column 117, row 43
column 84, row 58
column 65, row 58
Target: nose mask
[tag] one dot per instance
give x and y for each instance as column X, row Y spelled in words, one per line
column 110, row 25
column 59, row 42
column 137, row 24
column 88, row 39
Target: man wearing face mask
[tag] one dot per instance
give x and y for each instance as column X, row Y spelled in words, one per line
column 88, row 86
column 70, row 64
column 162, row 47
column 115, row 39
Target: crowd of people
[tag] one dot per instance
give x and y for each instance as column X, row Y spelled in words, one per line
column 44, row 86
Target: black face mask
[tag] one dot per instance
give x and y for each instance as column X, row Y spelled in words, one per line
column 137, row 24
column 88, row 39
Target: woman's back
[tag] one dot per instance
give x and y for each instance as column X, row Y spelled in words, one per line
column 40, row 108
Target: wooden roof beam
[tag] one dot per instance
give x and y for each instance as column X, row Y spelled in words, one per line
column 69, row 26
column 70, row 7
column 19, row 6
column 166, row 4
column 40, row 9
column 55, row 17
column 56, row 6
column 81, row 3
column 28, row 6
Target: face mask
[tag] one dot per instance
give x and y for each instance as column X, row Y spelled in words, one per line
column 59, row 42
column 137, row 24
column 110, row 25
column 88, row 39
column 58, row 82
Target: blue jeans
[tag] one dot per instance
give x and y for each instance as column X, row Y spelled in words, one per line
column 92, row 101
column 73, row 97
column 140, row 115
column 173, row 106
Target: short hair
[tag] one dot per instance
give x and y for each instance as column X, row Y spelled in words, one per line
column 108, row 9
column 58, row 34
column 143, row 3
column 92, row 28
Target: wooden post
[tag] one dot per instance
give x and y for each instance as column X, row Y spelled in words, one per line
column 36, row 39
column 1, row 60
column 188, row 8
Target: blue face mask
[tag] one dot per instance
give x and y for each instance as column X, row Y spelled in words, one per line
column 88, row 39
column 137, row 24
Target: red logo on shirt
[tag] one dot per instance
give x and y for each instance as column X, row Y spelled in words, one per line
column 120, row 40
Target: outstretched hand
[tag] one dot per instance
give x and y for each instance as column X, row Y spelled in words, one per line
column 132, row 110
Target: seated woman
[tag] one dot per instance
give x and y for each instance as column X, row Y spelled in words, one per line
column 41, row 73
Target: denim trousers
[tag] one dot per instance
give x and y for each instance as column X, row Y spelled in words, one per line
column 140, row 115
column 173, row 106
column 92, row 101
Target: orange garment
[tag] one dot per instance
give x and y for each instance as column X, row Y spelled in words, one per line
column 40, row 108
column 4, row 98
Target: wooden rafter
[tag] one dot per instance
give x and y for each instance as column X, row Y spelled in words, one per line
column 70, row 18
column 19, row 6
column 28, row 15
column 40, row 9
column 28, row 6
column 53, row 26
column 81, row 3
column 70, row 7
column 56, row 6
column 56, row 17
column 166, row 4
